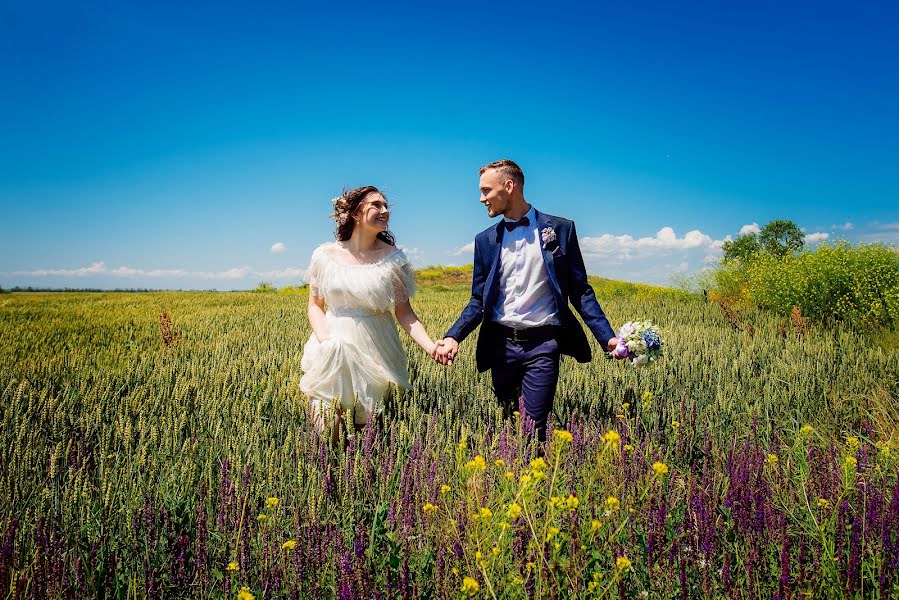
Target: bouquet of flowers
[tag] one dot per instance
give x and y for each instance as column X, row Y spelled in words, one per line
column 640, row 342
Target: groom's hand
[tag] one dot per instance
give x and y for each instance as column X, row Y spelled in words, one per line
column 447, row 348
column 613, row 343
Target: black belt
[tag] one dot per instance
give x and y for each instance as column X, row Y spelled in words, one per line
column 527, row 334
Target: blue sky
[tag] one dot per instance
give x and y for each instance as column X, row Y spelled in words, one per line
column 176, row 145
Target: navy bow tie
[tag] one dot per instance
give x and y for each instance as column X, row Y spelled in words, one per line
column 522, row 222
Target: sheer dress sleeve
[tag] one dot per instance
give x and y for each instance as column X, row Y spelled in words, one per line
column 314, row 272
column 403, row 279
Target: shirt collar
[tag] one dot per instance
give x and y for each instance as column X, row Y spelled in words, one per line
column 531, row 215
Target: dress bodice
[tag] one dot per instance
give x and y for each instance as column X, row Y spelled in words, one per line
column 357, row 289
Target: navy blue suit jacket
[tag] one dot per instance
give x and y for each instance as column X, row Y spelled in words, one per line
column 567, row 274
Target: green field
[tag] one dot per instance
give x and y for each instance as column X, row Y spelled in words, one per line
column 133, row 468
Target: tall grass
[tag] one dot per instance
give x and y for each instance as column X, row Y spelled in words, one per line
column 133, row 467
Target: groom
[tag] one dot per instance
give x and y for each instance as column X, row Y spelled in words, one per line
column 527, row 268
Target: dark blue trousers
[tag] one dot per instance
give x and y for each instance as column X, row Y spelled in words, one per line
column 528, row 369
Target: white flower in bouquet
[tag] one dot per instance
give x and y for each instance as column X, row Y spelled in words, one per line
column 640, row 342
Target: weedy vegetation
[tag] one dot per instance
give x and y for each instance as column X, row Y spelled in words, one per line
column 157, row 445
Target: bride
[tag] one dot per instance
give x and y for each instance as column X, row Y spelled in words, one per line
column 354, row 353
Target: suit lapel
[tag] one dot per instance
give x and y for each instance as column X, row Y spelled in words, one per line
column 542, row 223
column 495, row 248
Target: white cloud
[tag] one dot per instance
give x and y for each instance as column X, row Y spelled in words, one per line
column 651, row 259
column 886, row 226
column 288, row 273
column 665, row 240
column 466, row 249
column 278, row 247
column 818, row 236
column 751, row 228
column 235, row 273
column 95, row 268
column 844, row 227
column 100, row 268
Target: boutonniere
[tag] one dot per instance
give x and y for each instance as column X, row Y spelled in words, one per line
column 548, row 235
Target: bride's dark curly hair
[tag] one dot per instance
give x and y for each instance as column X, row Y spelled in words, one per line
column 346, row 205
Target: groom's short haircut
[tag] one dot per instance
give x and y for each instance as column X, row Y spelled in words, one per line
column 508, row 168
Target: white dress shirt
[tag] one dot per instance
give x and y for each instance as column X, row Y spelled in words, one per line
column 525, row 293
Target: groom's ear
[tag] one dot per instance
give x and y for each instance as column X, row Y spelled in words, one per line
column 509, row 185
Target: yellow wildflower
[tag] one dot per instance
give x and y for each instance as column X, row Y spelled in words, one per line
column 852, row 442
column 772, row 459
column 516, row 413
column 510, row 475
column 478, row 556
column 572, row 502
column 851, row 462
column 553, row 532
column 495, row 551
column 591, row 586
column 470, row 586
column 625, row 405
column 271, row 502
column 595, row 526
column 611, row 439
column 530, row 566
column 524, row 480
column 477, row 462
column 660, row 468
column 514, row 511
column 627, row 447
column 563, row 436
column 289, row 545
column 806, row 429
column 622, row 562
column 538, row 464
column 485, row 513
column 244, row 594
column 500, row 462
column 261, row 518
column 556, row 501
column 232, row 566
column 647, row 396
column 518, row 580
column 823, row 503
column 675, row 425
column 444, row 488
column 612, row 503
column 429, row 509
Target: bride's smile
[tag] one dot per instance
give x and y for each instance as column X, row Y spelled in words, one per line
column 375, row 212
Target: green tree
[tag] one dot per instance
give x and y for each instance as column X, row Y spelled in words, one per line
column 744, row 248
column 781, row 237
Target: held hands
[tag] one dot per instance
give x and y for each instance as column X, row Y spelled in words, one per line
column 445, row 351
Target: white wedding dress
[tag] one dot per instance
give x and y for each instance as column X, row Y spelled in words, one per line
column 363, row 355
